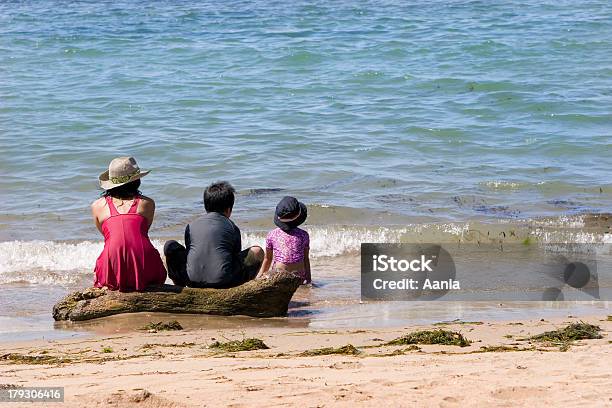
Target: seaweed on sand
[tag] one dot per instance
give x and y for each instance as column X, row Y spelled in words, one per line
column 439, row 336
column 163, row 326
column 571, row 332
column 400, row 352
column 349, row 349
column 502, row 348
column 240, row 345
column 17, row 358
column 147, row 346
column 566, row 336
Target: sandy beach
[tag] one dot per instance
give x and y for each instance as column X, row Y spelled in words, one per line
column 501, row 367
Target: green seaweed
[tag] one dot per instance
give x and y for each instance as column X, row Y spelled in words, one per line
column 400, row 352
column 571, row 332
column 17, row 358
column 528, row 241
column 502, row 348
column 163, row 326
column 566, row 336
column 240, row 345
column 439, row 336
column 34, row 359
column 147, row 346
column 348, row 349
column 107, row 349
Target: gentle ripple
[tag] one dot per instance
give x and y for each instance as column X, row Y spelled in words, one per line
column 411, row 107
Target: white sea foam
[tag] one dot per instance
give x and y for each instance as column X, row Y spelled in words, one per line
column 574, row 221
column 337, row 240
column 49, row 262
column 503, row 185
column 569, row 237
column 65, row 263
column 56, row 262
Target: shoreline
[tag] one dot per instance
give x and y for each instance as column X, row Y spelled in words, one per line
column 180, row 369
column 332, row 317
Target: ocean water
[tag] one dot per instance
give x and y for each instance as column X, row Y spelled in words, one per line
column 393, row 121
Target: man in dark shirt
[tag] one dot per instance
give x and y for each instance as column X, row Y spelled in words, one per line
column 212, row 255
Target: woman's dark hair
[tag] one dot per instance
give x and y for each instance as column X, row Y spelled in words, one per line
column 219, row 197
column 124, row 192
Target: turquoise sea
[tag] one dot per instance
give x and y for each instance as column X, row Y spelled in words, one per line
column 389, row 119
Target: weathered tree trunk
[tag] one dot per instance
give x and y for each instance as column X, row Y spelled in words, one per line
column 258, row 298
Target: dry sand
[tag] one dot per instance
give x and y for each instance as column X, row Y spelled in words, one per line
column 178, row 369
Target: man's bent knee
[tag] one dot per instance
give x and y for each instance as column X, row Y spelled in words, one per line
column 170, row 247
column 256, row 254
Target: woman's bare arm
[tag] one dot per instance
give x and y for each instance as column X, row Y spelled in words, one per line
column 96, row 208
column 146, row 208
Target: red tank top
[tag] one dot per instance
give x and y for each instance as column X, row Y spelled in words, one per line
column 128, row 262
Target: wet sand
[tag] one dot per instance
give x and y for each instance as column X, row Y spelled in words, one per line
column 180, row 369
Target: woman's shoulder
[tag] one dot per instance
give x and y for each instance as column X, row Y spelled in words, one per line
column 146, row 202
column 145, row 199
column 99, row 203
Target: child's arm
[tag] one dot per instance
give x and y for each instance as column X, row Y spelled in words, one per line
column 265, row 265
column 307, row 265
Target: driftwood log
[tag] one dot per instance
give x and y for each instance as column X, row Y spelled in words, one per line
column 258, row 298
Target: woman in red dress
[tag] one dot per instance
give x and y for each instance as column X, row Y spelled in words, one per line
column 129, row 262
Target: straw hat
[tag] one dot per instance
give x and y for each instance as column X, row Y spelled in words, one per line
column 121, row 170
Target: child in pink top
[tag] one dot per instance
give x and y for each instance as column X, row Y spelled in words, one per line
column 287, row 246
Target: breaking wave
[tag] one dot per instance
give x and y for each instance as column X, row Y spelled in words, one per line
column 68, row 263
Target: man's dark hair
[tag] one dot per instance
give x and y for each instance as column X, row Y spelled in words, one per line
column 219, row 197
